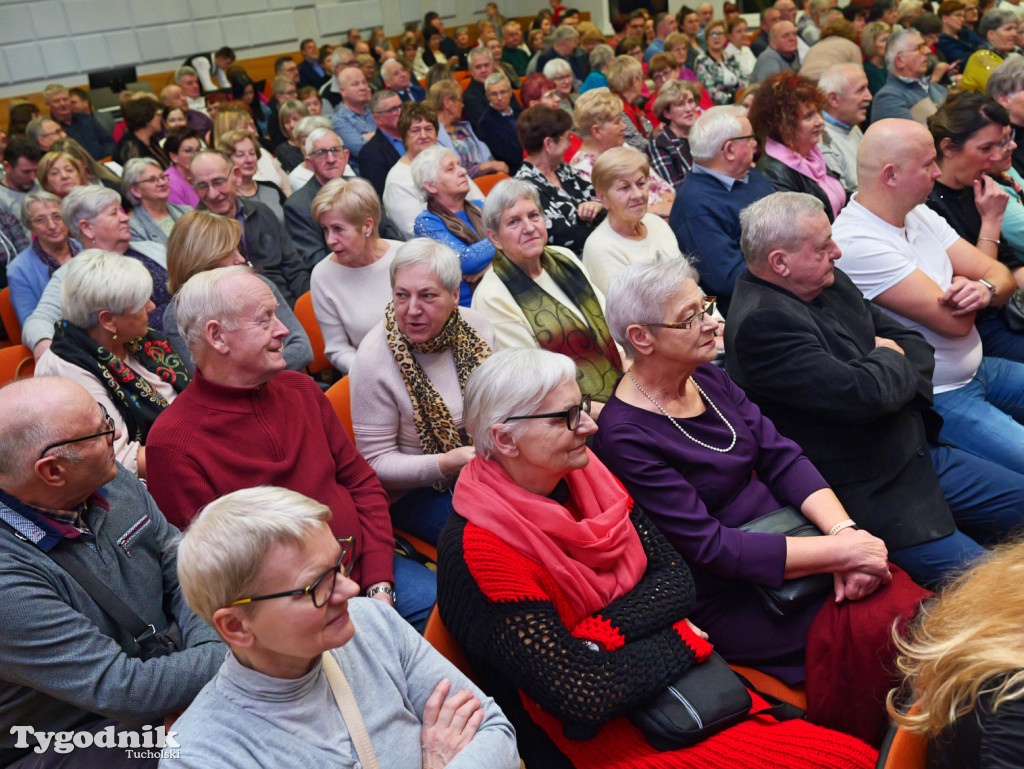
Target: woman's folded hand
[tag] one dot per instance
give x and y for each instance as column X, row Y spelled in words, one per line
column 448, row 724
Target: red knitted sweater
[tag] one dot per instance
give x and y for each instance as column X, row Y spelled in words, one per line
column 575, row 677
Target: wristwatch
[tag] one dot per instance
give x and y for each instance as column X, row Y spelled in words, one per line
column 990, row 286
column 382, row 589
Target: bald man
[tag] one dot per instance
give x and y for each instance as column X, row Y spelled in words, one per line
column 781, row 54
column 911, row 263
column 69, row 511
column 174, row 96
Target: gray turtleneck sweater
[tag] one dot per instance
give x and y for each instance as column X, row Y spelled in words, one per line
column 244, row 719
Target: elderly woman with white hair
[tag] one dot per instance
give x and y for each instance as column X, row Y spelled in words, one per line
column 560, row 72
column 601, row 123
column 571, row 606
column 536, row 295
column 95, row 218
column 314, row 675
column 450, row 218
column 407, row 385
column 629, row 233
column 104, row 343
column 51, row 246
column 706, row 466
column 147, row 188
column 350, row 287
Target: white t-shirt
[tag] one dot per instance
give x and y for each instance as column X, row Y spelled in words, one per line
column 877, row 256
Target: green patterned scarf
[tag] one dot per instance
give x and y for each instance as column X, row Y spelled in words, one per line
column 434, row 423
column 136, row 400
column 558, row 328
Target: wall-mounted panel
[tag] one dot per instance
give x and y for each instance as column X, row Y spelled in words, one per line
column 156, row 44
column 209, row 36
column 24, row 60
column 124, row 47
column 17, row 25
column 48, row 19
column 183, row 40
column 86, row 16
column 147, row 13
column 235, row 7
column 61, row 59
column 92, row 52
column 277, row 26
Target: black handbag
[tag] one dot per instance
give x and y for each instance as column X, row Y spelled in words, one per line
column 793, row 594
column 707, row 698
column 1013, row 312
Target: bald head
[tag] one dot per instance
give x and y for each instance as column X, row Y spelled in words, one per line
column 895, row 168
column 890, row 142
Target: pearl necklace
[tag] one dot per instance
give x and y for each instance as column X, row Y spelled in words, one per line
column 678, row 426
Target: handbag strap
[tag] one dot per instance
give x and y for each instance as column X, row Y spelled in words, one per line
column 350, row 712
column 780, row 710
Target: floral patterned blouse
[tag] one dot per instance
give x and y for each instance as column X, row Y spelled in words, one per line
column 583, row 163
column 722, row 79
column 560, row 205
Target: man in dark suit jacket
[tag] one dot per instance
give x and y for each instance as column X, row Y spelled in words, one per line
column 385, row 147
column 311, row 72
column 853, row 387
column 327, row 159
column 474, row 98
column 399, row 79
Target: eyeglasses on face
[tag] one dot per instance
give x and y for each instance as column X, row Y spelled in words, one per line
column 220, row 183
column 698, row 318
column 322, row 153
column 323, row 587
column 571, row 415
column 390, row 110
column 107, row 420
column 1008, row 140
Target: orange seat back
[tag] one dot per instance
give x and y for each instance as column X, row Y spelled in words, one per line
column 16, row 362
column 486, row 183
column 9, row 317
column 908, row 749
column 340, row 397
column 304, row 312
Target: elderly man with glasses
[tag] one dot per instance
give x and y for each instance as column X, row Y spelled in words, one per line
column 73, row 525
column 327, row 158
column 245, row 421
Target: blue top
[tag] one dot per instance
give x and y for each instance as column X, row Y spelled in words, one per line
column 27, row 276
column 473, row 258
column 351, row 127
column 594, row 80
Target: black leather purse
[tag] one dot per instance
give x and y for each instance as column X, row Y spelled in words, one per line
column 793, row 594
column 1013, row 312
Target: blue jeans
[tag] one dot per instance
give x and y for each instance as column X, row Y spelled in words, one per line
column 423, row 513
column 416, row 588
column 931, row 563
column 984, row 416
column 996, row 338
column 986, row 498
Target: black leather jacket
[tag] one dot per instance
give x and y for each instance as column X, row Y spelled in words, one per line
column 785, row 179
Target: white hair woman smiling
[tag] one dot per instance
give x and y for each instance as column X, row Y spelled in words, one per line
column 104, row 343
column 262, row 566
column 407, row 385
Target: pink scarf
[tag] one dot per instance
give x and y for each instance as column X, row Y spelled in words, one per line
column 813, row 167
column 594, row 561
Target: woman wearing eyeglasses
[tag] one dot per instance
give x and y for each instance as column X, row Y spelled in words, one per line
column 719, row 72
column 104, row 343
column 571, row 605
column 310, row 667
column 972, row 135
column 702, row 461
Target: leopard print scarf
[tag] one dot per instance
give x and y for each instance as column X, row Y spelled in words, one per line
column 434, row 423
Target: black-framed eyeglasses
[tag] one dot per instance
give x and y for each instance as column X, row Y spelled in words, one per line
column 748, row 137
column 327, row 151
column 1008, row 140
column 571, row 415
column 323, row 587
column 107, row 420
column 698, row 318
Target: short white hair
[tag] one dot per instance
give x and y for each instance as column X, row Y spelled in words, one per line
column 442, row 260
column 559, row 67
column 496, row 78
column 771, row 223
column 311, row 123
column 102, row 280
column 713, row 129
column 202, row 299
column 389, row 68
column 478, row 52
column 427, row 164
column 506, row 194
column 897, row 44
column 130, row 176
column 510, row 383
column 316, row 135
column 836, row 79
column 222, row 552
column 563, row 33
column 641, row 292
column 85, row 203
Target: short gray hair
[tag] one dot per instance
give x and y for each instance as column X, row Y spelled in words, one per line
column 428, row 163
column 202, row 299
column 442, row 261
column 562, row 33
column 311, row 123
column 510, row 383
column 102, row 280
column 130, row 176
column 558, row 67
column 770, row 223
column 713, row 129
column 480, row 50
column 316, row 135
column 182, row 72
column 23, row 434
column 388, row 67
column 496, row 78
column 994, row 19
column 222, row 552
column 85, row 203
column 1007, row 79
column 42, row 196
column 599, row 57
column 836, row 79
column 641, row 292
column 506, row 194
column 34, row 129
column 897, row 44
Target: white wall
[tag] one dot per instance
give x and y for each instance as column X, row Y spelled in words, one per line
column 44, row 41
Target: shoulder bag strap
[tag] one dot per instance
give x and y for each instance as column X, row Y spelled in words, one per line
column 350, row 712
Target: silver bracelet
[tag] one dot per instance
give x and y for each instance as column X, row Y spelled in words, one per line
column 840, row 526
column 382, row 589
column 990, row 240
